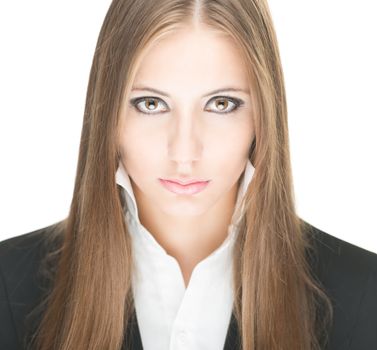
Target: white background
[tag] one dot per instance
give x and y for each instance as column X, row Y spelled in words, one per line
column 328, row 51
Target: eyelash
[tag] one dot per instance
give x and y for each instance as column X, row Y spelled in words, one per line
column 237, row 102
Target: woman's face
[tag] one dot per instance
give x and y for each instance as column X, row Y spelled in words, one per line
column 188, row 132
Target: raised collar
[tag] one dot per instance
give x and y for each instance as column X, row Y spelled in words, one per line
column 123, row 179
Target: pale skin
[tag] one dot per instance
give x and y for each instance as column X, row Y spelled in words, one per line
column 188, row 134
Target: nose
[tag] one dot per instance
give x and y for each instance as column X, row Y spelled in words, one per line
column 185, row 140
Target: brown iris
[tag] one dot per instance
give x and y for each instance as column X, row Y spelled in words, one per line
column 222, row 102
column 147, row 103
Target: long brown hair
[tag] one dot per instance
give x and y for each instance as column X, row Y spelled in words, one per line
column 276, row 297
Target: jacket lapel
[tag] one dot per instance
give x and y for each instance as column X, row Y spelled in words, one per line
column 232, row 341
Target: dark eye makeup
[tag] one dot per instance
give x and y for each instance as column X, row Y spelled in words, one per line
column 134, row 102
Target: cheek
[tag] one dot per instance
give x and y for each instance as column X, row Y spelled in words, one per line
column 138, row 141
column 232, row 143
column 223, row 142
column 231, row 152
column 140, row 154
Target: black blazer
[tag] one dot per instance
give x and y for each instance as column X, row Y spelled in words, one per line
column 348, row 273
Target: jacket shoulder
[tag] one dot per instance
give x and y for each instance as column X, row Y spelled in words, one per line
column 348, row 274
column 339, row 260
column 11, row 249
column 22, row 285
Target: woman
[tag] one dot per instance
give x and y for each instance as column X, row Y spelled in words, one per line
column 185, row 92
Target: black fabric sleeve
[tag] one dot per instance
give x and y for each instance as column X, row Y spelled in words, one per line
column 364, row 335
column 8, row 334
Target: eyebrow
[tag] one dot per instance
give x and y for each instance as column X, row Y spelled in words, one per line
column 146, row 88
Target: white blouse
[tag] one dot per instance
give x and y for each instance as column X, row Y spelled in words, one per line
column 169, row 315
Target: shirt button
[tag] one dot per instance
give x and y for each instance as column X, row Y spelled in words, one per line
column 182, row 336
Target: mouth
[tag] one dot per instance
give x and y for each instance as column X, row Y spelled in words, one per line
column 188, row 188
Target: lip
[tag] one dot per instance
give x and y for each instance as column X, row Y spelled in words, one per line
column 190, row 188
column 187, row 182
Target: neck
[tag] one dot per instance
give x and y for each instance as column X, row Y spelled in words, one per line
column 189, row 239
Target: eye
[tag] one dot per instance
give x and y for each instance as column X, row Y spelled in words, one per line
column 150, row 105
column 222, row 103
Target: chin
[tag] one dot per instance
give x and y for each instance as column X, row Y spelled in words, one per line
column 185, row 210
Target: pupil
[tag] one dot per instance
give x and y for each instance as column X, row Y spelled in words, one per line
column 149, row 104
column 222, row 103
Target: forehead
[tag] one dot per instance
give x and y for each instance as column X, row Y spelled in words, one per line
column 192, row 58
